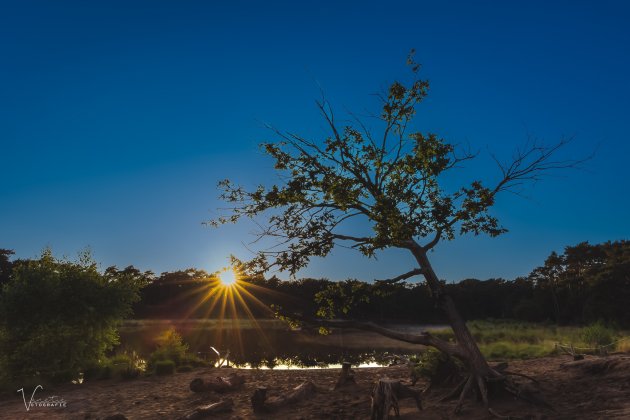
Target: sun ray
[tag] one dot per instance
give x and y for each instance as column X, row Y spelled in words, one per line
column 236, row 328
column 212, row 293
column 219, row 332
column 254, row 299
column 251, row 316
column 233, row 302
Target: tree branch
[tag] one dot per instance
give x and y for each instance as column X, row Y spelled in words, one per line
column 414, row 272
column 424, row 338
column 532, row 163
column 350, row 238
column 434, row 241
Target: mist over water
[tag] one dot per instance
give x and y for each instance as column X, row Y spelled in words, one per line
column 271, row 343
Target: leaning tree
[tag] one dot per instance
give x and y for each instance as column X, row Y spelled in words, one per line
column 391, row 180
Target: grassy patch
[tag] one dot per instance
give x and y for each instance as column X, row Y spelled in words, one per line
column 505, row 340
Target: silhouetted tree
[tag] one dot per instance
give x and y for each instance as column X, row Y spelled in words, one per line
column 58, row 317
column 391, row 181
column 547, row 278
column 5, row 266
column 587, row 282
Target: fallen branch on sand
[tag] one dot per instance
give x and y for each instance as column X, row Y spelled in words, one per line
column 205, row 411
column 221, row 384
column 299, row 393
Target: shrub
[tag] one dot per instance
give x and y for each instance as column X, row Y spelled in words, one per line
column 126, row 365
column 170, row 347
column 598, row 334
column 436, row 366
column 59, row 317
column 165, row 367
column 185, row 368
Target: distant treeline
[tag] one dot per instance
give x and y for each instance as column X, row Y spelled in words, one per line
column 583, row 284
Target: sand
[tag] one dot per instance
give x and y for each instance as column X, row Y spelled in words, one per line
column 596, row 388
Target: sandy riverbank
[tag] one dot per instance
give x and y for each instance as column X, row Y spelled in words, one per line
column 574, row 390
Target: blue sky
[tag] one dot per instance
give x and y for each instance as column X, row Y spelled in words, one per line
column 117, row 118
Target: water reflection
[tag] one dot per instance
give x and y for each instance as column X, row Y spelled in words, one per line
column 270, row 344
column 281, row 365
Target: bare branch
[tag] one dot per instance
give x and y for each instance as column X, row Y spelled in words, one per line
column 351, row 238
column 414, row 272
column 424, row 338
column 533, row 162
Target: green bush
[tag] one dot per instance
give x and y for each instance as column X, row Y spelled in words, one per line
column 165, row 367
column 170, row 347
column 58, row 317
column 436, row 366
column 598, row 334
column 126, row 365
column 185, row 368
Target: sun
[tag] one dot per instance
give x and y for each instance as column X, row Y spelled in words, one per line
column 228, row 277
column 226, row 297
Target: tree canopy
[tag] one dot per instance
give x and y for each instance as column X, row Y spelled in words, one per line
column 63, row 305
column 5, row 265
column 390, row 180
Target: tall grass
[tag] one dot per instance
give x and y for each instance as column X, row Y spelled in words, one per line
column 503, row 340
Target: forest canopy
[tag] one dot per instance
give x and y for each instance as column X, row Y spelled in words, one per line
column 584, row 283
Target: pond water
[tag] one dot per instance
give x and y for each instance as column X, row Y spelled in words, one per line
column 271, row 343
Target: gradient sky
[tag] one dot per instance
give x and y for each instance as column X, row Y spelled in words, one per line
column 117, row 118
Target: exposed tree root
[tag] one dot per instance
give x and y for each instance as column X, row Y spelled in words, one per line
column 455, row 391
column 464, row 393
column 483, row 390
column 499, row 381
column 385, row 397
column 346, row 377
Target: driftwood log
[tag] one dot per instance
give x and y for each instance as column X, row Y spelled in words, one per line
column 260, row 403
column 385, row 397
column 206, row 411
column 220, row 384
column 346, row 377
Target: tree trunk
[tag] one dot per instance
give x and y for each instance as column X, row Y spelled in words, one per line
column 385, row 396
column 556, row 305
column 346, row 377
column 473, row 357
